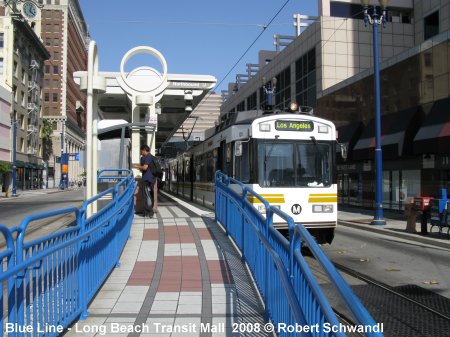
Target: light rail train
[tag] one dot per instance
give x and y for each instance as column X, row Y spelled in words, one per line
column 288, row 158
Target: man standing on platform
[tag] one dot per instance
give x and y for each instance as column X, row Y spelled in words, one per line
column 148, row 181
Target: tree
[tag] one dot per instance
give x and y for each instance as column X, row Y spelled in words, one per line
column 5, row 167
column 47, row 142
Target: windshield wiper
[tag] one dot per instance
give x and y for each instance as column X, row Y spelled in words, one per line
column 324, row 179
column 266, row 157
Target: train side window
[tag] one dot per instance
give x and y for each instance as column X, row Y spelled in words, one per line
column 242, row 163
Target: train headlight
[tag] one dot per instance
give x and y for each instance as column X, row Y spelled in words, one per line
column 323, row 129
column 323, row 209
column 293, row 106
column 262, row 208
column 264, row 127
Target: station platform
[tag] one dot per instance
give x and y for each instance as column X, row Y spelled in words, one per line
column 179, row 275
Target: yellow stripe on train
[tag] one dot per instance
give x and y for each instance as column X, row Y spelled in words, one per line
column 326, row 197
column 270, row 198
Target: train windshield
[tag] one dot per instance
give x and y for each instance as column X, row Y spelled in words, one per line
column 298, row 164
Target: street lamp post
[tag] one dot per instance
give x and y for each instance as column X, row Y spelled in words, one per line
column 269, row 89
column 375, row 20
column 62, row 178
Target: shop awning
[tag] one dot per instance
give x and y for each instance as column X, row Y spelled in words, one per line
column 434, row 134
column 397, row 132
column 349, row 135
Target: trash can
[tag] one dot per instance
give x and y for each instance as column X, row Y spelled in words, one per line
column 411, row 215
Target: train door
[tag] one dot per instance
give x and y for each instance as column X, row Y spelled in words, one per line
column 225, row 158
column 178, row 177
column 183, row 177
column 229, row 159
column 221, row 157
column 191, row 177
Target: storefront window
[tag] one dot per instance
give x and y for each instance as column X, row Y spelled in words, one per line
column 386, row 195
column 411, row 182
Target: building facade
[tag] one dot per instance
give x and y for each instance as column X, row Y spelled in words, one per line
column 65, row 35
column 5, row 140
column 329, row 67
column 22, row 56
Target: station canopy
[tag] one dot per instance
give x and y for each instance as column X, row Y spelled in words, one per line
column 115, row 104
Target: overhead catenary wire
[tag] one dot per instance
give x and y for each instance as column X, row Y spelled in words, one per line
column 264, row 28
column 344, row 20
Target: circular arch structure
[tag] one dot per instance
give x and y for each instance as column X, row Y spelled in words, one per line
column 155, row 88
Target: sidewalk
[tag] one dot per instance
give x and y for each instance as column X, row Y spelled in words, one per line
column 395, row 226
column 29, row 193
column 179, row 275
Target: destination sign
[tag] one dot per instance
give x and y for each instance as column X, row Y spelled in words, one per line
column 305, row 126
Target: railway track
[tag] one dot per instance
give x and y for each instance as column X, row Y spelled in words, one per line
column 404, row 311
column 44, row 227
column 439, row 309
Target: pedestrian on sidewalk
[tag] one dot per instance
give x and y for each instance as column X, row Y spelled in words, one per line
column 149, row 187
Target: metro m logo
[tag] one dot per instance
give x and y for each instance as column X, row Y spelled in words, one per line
column 296, row 209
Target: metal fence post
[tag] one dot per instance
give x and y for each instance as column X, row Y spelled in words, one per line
column 243, row 204
column 269, row 222
column 115, row 220
column 81, row 222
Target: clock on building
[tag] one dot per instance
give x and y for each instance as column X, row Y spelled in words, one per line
column 29, row 9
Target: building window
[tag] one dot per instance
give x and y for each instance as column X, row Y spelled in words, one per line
column 55, row 97
column 46, row 97
column 56, row 42
column 48, row 42
column 56, row 55
column 2, row 37
column 55, row 69
column 56, row 28
column 56, row 2
column 283, row 89
column 251, row 102
column 1, row 65
column 47, row 69
column 241, row 106
column 15, row 93
column 55, row 84
column 431, row 25
column 305, row 79
column 15, row 69
column 48, row 28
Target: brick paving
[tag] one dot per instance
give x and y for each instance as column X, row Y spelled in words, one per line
column 178, row 273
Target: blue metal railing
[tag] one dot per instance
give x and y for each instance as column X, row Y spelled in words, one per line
column 51, row 280
column 290, row 291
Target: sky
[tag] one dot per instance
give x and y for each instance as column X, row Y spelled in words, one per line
column 204, row 37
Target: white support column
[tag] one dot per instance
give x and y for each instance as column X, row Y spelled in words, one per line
column 151, row 135
column 94, row 152
column 135, row 141
column 93, row 84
